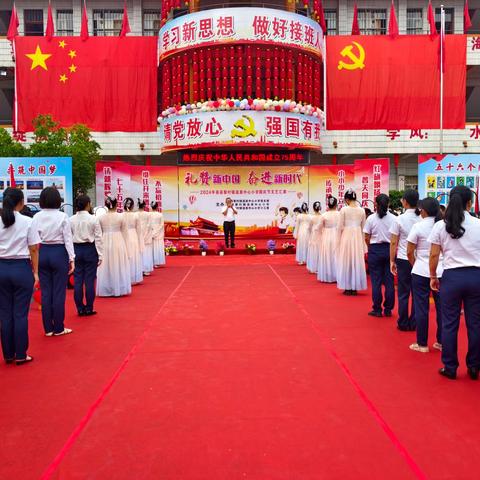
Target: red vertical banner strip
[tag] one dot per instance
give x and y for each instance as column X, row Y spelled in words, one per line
column 311, row 80
column 240, row 75
column 173, row 62
column 218, row 78
column 225, row 71
column 258, row 73
column 186, row 78
column 276, row 73
column 195, row 76
column 178, row 93
column 202, row 88
column 268, row 73
column 209, row 63
column 166, row 90
column 317, row 81
column 299, row 82
column 233, row 73
column 283, row 76
column 249, row 71
column 289, row 76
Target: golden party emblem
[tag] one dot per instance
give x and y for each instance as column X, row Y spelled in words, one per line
column 357, row 58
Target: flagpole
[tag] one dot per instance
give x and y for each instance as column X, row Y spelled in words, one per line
column 442, row 36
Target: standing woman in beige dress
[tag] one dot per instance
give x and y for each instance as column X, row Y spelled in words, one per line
column 147, row 233
column 327, row 251
column 158, row 233
column 301, row 233
column 351, row 274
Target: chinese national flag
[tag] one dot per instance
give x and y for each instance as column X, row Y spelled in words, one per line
column 375, row 82
column 106, row 83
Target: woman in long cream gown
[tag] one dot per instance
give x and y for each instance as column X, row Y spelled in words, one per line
column 147, row 238
column 113, row 276
column 158, row 235
column 351, row 274
column 302, row 234
column 315, row 236
column 327, row 252
column 134, row 231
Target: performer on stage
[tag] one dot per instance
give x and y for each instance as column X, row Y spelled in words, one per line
column 418, row 252
column 351, row 275
column 377, row 237
column 134, row 241
column 302, row 234
column 113, row 276
column 147, row 238
column 158, row 226
column 315, row 237
column 327, row 252
column 283, row 221
column 229, row 212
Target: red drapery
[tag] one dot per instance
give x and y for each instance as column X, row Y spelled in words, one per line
column 268, row 73
column 249, row 71
column 276, row 73
column 240, row 58
column 195, row 75
column 233, row 73
column 258, row 73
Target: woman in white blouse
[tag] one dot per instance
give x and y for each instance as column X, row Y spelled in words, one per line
column 56, row 260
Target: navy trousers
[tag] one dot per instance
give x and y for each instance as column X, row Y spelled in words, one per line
column 16, row 289
column 421, row 302
column 379, row 270
column 460, row 285
column 404, row 287
column 229, row 232
column 86, row 262
column 53, row 273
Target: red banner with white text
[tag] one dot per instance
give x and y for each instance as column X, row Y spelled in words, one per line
column 376, row 82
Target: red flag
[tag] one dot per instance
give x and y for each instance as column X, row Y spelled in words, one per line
column 13, row 25
column 84, row 28
column 371, row 86
column 431, row 21
column 11, row 169
column 106, row 83
column 321, row 17
column 50, row 30
column 125, row 23
column 355, row 27
column 467, row 21
column 392, row 23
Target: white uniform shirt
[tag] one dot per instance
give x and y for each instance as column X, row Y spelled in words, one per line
column 86, row 229
column 419, row 236
column 283, row 222
column 230, row 216
column 459, row 252
column 379, row 228
column 53, row 227
column 15, row 240
column 401, row 227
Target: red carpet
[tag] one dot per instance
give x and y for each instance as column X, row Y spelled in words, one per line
column 231, row 368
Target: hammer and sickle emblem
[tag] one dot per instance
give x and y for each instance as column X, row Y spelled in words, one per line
column 242, row 130
column 358, row 60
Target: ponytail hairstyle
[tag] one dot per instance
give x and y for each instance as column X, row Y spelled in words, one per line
column 317, row 206
column 455, row 213
column 304, row 207
column 350, row 195
column 141, row 204
column 111, row 203
column 128, row 204
column 381, row 203
column 411, row 197
column 12, row 197
column 431, row 206
column 297, row 210
column 154, row 206
column 332, row 203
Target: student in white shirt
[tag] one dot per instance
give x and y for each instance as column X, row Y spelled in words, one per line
column 377, row 237
column 229, row 213
column 283, row 222
column 458, row 239
column 87, row 243
column 399, row 264
column 18, row 257
column 56, row 260
column 418, row 251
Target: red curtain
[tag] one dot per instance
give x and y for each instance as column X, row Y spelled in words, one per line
column 317, row 90
column 225, row 71
column 283, row 74
column 233, row 73
column 195, row 75
column 268, row 73
column 209, row 73
column 258, row 73
column 249, row 71
column 276, row 73
column 217, row 75
column 299, row 82
column 186, row 78
column 288, row 74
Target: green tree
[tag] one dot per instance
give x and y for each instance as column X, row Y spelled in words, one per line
column 9, row 147
column 395, row 197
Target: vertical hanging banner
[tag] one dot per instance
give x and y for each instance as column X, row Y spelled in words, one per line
column 113, row 180
column 372, row 177
column 330, row 181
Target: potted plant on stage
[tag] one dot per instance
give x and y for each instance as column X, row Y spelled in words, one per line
column 288, row 247
column 271, row 245
column 170, row 248
column 187, row 249
column 251, row 248
column 220, row 249
column 203, row 245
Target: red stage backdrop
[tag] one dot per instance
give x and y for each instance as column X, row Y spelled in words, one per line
column 107, row 83
column 376, row 82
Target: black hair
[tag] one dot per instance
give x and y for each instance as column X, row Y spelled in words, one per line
column 283, row 209
column 154, row 205
column 367, row 211
column 455, row 213
column 411, row 197
column 317, row 206
column 297, row 210
column 350, row 195
column 81, row 202
column 50, row 198
column 382, row 202
column 304, row 207
column 111, row 203
column 128, row 204
column 11, row 198
column 431, row 207
column 332, row 202
column 141, row 203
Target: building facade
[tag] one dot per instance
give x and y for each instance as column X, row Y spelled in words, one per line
column 105, row 18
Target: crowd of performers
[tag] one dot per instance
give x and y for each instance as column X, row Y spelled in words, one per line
column 107, row 255
column 431, row 252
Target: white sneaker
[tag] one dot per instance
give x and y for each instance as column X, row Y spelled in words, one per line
column 437, row 346
column 66, row 331
column 49, row 334
column 418, row 348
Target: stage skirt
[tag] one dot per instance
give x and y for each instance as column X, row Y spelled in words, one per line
column 351, row 273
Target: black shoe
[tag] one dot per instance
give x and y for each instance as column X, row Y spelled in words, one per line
column 347, row 292
column 353, row 293
column 89, row 314
column 473, row 373
column 233, row 246
column 447, row 373
column 387, row 313
column 373, row 313
column 9, row 361
column 405, row 329
column 28, row 359
column 82, row 314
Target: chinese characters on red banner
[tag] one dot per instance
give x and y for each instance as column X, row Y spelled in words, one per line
column 22, row 169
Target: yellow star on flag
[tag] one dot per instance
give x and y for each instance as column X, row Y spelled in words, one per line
column 72, row 53
column 63, row 78
column 38, row 58
column 62, row 44
column 72, row 68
